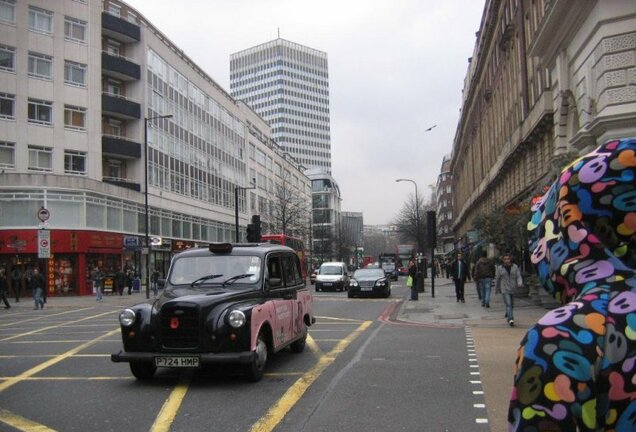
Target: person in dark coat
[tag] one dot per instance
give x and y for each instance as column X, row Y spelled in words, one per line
column 37, row 286
column 120, row 281
column 16, row 282
column 413, row 274
column 459, row 274
column 3, row 289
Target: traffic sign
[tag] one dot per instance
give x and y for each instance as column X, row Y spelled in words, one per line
column 44, row 244
column 43, row 214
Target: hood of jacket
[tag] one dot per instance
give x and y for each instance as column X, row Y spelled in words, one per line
column 583, row 230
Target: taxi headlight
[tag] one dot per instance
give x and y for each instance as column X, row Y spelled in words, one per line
column 236, row 318
column 353, row 283
column 127, row 317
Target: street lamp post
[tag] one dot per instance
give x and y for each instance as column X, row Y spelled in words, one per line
column 147, row 230
column 236, row 208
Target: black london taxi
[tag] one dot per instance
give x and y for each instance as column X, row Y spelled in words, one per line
column 225, row 304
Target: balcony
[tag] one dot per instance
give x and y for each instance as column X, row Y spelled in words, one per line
column 122, row 182
column 120, row 67
column 121, row 147
column 120, row 107
column 120, row 29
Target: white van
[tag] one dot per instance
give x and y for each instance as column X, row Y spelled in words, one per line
column 332, row 276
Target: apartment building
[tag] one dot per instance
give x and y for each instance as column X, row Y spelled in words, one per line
column 105, row 124
column 546, row 82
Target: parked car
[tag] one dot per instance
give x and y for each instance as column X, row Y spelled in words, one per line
column 332, row 276
column 369, row 282
column 220, row 305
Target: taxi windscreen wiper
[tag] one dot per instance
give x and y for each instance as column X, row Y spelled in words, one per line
column 237, row 277
column 204, row 278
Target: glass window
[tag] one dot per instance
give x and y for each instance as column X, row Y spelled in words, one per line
column 74, row 117
column 74, row 29
column 40, row 111
column 7, row 58
column 40, row 158
column 74, row 73
column 112, row 47
column 40, row 20
column 114, row 169
column 7, row 106
column 113, row 9
column 7, row 154
column 40, row 65
column 74, row 162
column 7, row 10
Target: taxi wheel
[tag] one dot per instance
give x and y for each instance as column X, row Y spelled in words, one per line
column 299, row 345
column 142, row 371
column 254, row 371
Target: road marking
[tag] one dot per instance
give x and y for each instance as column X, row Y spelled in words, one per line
column 21, row 423
column 313, row 346
column 53, row 327
column 351, row 320
column 171, row 406
column 293, row 394
column 42, row 316
column 36, row 369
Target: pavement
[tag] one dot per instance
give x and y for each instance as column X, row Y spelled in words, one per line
column 496, row 343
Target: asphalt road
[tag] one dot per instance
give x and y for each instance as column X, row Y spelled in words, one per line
column 361, row 370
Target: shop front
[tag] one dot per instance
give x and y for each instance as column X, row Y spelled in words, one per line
column 73, row 257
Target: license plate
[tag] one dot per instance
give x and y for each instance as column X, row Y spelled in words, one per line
column 177, row 361
column 327, row 283
column 366, row 289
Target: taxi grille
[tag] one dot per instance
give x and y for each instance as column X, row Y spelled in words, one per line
column 180, row 327
column 366, row 284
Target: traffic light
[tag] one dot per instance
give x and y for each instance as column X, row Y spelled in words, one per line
column 250, row 233
column 256, row 224
column 431, row 229
column 254, row 230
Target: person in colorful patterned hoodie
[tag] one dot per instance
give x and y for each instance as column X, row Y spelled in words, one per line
column 576, row 368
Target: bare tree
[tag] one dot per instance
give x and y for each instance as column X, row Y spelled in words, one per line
column 289, row 211
column 407, row 220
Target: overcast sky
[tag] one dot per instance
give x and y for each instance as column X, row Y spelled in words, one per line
column 396, row 68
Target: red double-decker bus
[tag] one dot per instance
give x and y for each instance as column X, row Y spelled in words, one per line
column 292, row 242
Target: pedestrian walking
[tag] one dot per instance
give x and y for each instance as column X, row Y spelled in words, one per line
column 37, row 286
column 413, row 275
column 507, row 281
column 98, row 283
column 154, row 282
column 129, row 281
column 576, row 368
column 4, row 286
column 120, row 281
column 459, row 274
column 16, row 282
column 483, row 275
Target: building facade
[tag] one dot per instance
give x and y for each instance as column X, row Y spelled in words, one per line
column 288, row 85
column 546, row 82
column 444, row 209
column 103, row 117
column 326, row 215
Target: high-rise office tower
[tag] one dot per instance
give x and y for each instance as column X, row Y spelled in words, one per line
column 288, row 85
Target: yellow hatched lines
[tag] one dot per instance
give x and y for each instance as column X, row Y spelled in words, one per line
column 173, row 403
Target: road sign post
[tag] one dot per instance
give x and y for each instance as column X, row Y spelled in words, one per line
column 44, row 243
